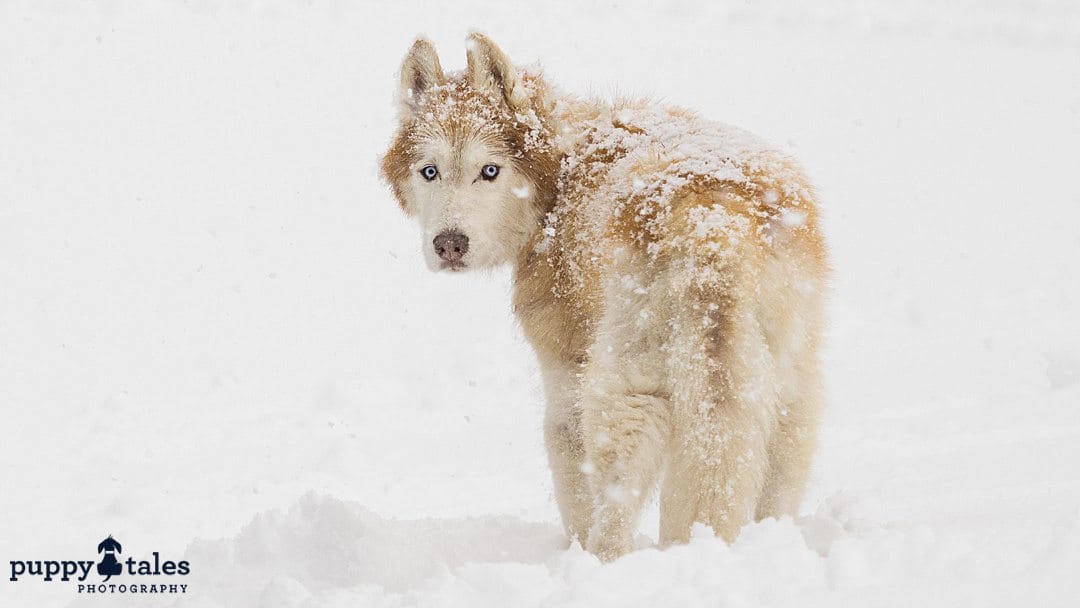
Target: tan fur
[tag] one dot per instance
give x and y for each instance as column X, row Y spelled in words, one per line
column 669, row 272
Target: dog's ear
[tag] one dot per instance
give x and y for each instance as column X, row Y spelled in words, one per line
column 490, row 70
column 420, row 71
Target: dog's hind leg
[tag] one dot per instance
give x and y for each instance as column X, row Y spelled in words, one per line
column 625, row 436
column 792, row 315
column 625, row 412
column 792, row 445
column 790, row 452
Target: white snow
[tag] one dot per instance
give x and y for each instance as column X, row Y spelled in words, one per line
column 218, row 339
column 792, row 218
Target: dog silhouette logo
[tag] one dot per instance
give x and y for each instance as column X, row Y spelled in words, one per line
column 109, row 565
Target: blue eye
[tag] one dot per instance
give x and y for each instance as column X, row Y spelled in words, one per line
column 489, row 172
column 429, row 172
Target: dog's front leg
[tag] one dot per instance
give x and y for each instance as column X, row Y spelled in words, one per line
column 566, row 450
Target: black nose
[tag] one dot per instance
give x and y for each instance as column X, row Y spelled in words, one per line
column 451, row 246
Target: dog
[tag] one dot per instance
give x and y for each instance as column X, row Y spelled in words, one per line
column 670, row 273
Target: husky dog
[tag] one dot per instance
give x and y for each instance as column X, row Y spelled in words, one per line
column 669, row 272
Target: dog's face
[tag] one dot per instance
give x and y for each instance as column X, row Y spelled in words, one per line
column 473, row 204
column 472, row 160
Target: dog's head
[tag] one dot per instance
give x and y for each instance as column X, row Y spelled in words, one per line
column 474, row 157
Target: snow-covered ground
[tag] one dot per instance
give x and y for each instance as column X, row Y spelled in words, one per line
column 218, row 339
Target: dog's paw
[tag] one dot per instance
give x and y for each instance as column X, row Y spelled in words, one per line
column 609, row 547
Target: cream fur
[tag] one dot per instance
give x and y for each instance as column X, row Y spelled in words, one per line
column 669, row 272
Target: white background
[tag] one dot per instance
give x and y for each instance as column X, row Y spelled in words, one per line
column 218, row 339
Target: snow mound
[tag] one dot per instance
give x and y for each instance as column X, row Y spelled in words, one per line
column 322, row 545
column 325, row 552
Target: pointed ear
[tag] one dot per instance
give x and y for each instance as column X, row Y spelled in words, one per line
column 490, row 70
column 420, row 71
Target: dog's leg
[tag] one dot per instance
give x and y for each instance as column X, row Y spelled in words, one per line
column 793, row 314
column 793, row 442
column 625, row 410
column 566, row 449
column 725, row 400
column 790, row 452
column 625, row 439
